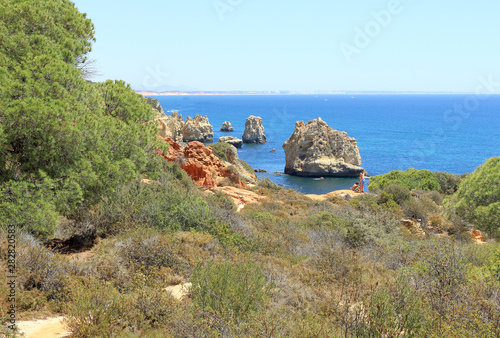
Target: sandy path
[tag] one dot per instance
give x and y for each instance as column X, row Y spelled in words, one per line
column 324, row 197
column 44, row 328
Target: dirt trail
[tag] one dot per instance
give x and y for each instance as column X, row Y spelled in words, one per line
column 324, row 197
column 44, row 328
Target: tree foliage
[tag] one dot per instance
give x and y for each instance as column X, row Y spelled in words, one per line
column 478, row 197
column 64, row 142
column 410, row 178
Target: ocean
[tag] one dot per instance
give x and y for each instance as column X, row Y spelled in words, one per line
column 450, row 133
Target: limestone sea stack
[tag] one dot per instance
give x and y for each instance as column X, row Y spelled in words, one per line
column 197, row 129
column 170, row 125
column 254, row 131
column 238, row 143
column 317, row 150
column 226, row 126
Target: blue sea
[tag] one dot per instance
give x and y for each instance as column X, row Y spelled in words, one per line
column 450, row 133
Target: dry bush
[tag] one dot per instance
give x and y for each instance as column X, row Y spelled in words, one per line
column 149, row 251
column 229, row 290
column 39, row 268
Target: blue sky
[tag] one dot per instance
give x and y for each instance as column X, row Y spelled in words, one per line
column 317, row 45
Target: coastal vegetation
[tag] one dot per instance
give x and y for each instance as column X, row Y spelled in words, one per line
column 103, row 225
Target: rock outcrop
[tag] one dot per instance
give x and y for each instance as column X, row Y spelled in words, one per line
column 170, row 126
column 200, row 163
column 197, row 129
column 477, row 236
column 316, row 150
column 155, row 104
column 226, row 126
column 193, row 129
column 245, row 171
column 254, row 131
column 238, row 143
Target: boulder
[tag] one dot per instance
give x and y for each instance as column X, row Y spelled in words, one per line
column 254, row 131
column 477, row 236
column 197, row 129
column 316, row 150
column 170, row 126
column 238, row 143
column 226, row 126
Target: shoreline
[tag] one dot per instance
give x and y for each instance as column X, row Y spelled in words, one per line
column 282, row 93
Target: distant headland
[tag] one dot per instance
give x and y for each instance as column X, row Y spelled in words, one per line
column 291, row 92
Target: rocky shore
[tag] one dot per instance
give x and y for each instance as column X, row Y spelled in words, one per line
column 313, row 150
column 193, row 129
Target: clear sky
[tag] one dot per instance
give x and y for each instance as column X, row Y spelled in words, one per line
column 395, row 45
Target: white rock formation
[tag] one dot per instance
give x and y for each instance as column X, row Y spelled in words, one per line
column 170, row 126
column 238, row 143
column 226, row 126
column 316, row 150
column 197, row 129
column 254, row 131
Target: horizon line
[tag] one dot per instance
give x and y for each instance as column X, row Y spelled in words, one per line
column 300, row 92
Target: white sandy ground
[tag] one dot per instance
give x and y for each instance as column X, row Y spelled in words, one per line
column 44, row 328
column 179, row 291
column 324, row 197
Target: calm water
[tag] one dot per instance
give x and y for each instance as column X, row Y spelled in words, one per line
column 393, row 131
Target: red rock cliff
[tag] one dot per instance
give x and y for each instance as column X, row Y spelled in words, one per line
column 199, row 163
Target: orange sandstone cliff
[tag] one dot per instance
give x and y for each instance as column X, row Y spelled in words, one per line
column 200, row 163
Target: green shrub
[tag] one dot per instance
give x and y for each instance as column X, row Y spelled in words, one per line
column 435, row 196
column 449, row 182
column 414, row 208
column 268, row 183
column 494, row 266
column 410, row 179
column 97, row 310
column 168, row 204
column 365, row 227
column 393, row 310
column 325, row 219
column 386, row 200
column 231, row 290
column 41, row 269
column 149, row 250
column 219, row 150
column 399, row 193
column 441, row 274
column 28, row 206
column 478, row 197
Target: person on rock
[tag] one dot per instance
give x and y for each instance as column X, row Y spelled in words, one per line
column 355, row 187
column 362, row 180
